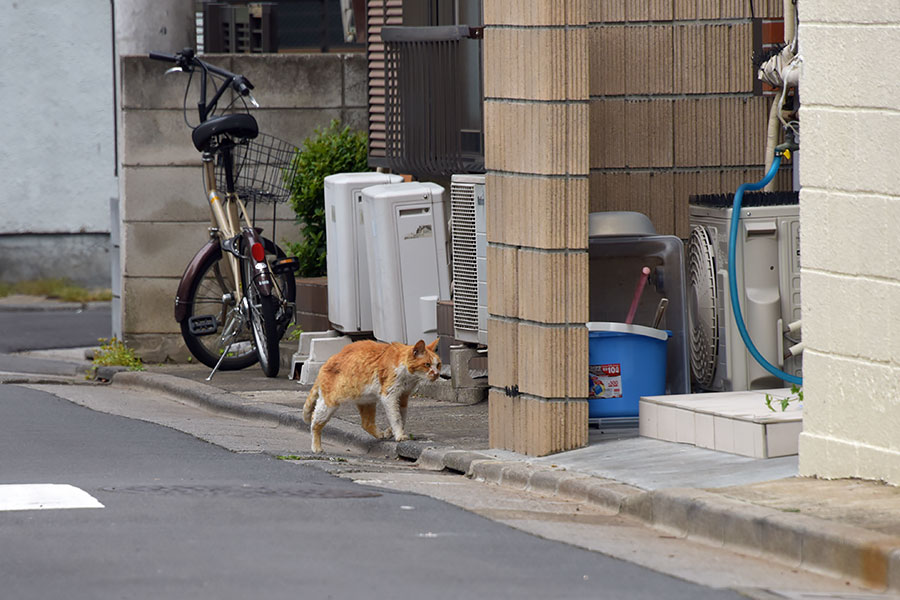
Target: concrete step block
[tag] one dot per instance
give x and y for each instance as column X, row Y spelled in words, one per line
column 309, row 371
column 321, row 349
column 307, row 337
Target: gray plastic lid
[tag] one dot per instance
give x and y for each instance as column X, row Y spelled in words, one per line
column 660, row 334
column 601, row 224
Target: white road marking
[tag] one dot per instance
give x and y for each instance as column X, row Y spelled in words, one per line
column 44, row 496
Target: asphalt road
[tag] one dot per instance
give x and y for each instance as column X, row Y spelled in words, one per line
column 42, row 329
column 183, row 518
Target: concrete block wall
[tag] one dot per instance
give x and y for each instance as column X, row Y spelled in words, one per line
column 537, row 130
column 675, row 108
column 850, row 213
column 163, row 207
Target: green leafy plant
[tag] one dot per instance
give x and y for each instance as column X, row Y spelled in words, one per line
column 795, row 396
column 335, row 149
column 113, row 352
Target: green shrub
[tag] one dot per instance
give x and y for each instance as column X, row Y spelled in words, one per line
column 333, row 150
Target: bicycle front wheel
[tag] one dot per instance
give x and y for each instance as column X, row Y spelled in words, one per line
column 265, row 331
column 212, row 299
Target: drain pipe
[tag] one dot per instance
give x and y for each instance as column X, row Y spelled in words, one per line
column 781, row 150
column 790, row 35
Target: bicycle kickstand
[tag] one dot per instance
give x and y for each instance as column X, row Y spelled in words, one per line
column 221, row 358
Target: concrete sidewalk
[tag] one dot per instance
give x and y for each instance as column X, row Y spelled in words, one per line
column 846, row 528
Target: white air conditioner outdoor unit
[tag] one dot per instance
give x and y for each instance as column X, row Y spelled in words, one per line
column 409, row 272
column 468, row 236
column 349, row 302
column 767, row 258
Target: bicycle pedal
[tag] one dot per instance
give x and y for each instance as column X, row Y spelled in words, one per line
column 203, row 324
column 283, row 266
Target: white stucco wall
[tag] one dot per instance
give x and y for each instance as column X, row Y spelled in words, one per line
column 850, row 216
column 57, row 160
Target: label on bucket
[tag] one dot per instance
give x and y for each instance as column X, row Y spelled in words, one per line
column 606, row 381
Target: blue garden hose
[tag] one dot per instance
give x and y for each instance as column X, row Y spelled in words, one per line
column 732, row 278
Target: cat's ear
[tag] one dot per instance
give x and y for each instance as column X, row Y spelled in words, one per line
column 433, row 344
column 419, row 349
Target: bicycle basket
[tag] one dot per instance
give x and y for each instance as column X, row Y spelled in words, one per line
column 262, row 169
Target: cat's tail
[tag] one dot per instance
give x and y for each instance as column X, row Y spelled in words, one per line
column 310, row 405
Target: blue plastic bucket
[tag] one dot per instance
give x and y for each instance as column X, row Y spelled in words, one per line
column 626, row 362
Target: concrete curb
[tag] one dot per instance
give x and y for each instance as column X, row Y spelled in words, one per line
column 51, row 305
column 867, row 557
column 338, row 432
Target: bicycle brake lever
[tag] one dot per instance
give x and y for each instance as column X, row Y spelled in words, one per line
column 174, row 70
column 253, row 101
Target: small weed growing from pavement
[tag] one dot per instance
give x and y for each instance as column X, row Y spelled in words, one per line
column 293, row 334
column 311, row 457
column 57, row 289
column 796, row 396
column 113, row 352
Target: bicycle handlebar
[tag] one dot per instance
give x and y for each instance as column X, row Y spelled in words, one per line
column 186, row 60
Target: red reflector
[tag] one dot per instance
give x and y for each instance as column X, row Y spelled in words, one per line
column 258, row 252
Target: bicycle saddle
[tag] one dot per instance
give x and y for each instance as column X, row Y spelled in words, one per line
column 239, row 125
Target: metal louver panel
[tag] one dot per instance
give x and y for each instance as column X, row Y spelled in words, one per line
column 465, row 280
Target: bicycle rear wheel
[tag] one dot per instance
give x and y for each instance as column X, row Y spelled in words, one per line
column 261, row 314
column 212, row 295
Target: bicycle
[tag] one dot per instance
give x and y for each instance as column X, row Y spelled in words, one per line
column 235, row 299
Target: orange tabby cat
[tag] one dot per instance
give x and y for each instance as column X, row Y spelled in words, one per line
column 365, row 372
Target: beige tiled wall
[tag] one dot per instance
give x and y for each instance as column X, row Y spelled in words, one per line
column 537, row 147
column 673, row 100
column 850, row 215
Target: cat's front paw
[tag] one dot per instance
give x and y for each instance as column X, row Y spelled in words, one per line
column 403, row 437
column 385, row 434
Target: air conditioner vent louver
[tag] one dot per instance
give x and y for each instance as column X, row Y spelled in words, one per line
column 469, row 245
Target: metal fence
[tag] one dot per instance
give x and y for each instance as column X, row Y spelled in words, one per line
column 433, row 112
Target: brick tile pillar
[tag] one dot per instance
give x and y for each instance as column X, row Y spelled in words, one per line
column 536, row 116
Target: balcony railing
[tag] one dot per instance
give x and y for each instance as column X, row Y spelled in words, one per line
column 433, row 101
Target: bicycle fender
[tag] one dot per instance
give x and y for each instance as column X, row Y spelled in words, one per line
column 211, row 248
column 261, row 274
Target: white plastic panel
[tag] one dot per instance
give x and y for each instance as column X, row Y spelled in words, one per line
column 406, row 241
column 349, row 302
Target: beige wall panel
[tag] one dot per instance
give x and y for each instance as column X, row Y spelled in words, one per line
column 661, row 79
column 637, row 10
column 607, row 129
column 611, row 11
column 577, row 365
column 649, row 131
column 550, row 360
column 512, row 73
column 731, row 130
column 620, row 190
column 689, row 72
column 756, row 117
column 505, row 193
column 685, row 9
column 662, row 202
column 553, row 286
column 538, row 212
column 637, row 59
column 536, row 12
column 578, row 142
column 502, row 359
column 578, row 73
column 578, row 202
column 502, row 280
column 535, row 426
column 526, row 137
column 708, row 9
column 607, row 60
